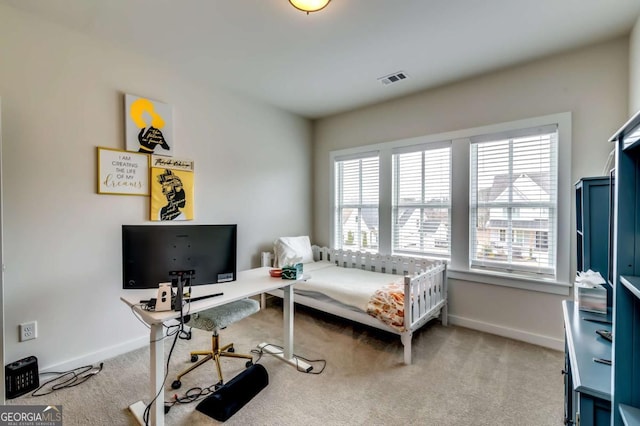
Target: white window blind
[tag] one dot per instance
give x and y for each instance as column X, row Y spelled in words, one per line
column 422, row 200
column 513, row 201
column 356, row 203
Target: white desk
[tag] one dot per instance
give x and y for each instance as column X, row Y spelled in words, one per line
column 248, row 283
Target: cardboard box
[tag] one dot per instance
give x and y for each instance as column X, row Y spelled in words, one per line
column 292, row 272
column 591, row 299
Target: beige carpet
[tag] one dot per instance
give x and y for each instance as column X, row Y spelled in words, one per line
column 458, row 377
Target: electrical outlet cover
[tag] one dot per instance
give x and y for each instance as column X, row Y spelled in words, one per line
column 28, row 331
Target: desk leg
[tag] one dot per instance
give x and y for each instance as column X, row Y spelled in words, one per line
column 287, row 353
column 156, row 361
column 288, row 312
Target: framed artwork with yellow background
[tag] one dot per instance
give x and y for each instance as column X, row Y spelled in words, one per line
column 148, row 126
column 171, row 189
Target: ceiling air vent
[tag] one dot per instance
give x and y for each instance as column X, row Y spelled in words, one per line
column 393, row 78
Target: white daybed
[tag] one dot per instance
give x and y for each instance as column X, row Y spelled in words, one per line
column 425, row 288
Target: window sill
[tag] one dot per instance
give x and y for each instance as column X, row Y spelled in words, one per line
column 513, row 281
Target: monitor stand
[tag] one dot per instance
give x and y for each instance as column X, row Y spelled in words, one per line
column 182, row 279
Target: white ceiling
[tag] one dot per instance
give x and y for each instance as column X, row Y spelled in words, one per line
column 329, row 62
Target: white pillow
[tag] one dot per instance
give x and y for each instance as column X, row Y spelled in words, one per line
column 288, row 249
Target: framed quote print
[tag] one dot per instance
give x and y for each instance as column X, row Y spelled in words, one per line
column 122, row 172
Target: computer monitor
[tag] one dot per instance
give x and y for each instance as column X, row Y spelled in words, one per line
column 151, row 252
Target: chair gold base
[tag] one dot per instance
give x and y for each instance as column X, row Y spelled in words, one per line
column 215, row 354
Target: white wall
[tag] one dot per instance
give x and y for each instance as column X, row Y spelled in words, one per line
column 591, row 83
column 62, row 96
column 634, row 70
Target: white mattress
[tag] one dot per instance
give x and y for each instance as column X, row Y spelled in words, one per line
column 349, row 286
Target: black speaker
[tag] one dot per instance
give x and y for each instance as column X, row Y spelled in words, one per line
column 233, row 395
column 21, row 377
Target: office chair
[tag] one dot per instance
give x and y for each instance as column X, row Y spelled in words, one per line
column 214, row 320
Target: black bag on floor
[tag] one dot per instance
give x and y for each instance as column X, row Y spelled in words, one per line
column 233, row 395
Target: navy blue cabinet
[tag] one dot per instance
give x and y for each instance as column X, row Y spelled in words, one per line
column 626, row 276
column 592, row 227
column 587, row 383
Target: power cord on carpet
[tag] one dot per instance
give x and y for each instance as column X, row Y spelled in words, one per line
column 298, row 358
column 196, row 394
column 68, row 379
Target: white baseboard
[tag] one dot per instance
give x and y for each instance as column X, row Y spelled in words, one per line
column 98, row 356
column 112, row 351
column 524, row 336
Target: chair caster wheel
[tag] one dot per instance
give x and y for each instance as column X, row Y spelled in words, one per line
column 231, row 349
column 249, row 364
column 176, row 384
column 194, row 358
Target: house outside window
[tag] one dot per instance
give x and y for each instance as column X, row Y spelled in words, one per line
column 513, row 191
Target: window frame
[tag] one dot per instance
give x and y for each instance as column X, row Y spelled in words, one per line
column 459, row 265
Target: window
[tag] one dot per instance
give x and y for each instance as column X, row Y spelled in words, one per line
column 422, row 200
column 514, row 188
column 491, row 200
column 356, row 202
column 542, row 240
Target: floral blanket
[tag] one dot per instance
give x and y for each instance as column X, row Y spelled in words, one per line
column 387, row 305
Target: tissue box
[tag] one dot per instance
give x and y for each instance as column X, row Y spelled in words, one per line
column 591, row 299
column 292, row 272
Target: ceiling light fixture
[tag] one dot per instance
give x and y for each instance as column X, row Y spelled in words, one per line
column 309, row 5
